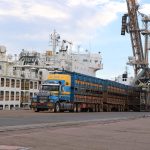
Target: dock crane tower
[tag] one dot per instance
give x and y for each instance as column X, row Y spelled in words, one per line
column 139, row 61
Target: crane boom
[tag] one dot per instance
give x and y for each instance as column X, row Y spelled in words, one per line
column 133, row 27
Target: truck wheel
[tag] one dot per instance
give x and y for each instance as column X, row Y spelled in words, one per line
column 94, row 108
column 51, row 110
column 36, row 110
column 97, row 108
column 75, row 108
column 57, row 107
column 78, row 108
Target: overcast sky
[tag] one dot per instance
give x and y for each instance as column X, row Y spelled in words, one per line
column 93, row 24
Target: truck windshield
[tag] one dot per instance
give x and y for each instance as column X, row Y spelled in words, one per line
column 50, row 87
column 34, row 99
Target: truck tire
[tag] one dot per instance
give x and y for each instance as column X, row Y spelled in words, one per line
column 97, row 108
column 57, row 107
column 94, row 108
column 75, row 108
column 36, row 110
column 78, row 108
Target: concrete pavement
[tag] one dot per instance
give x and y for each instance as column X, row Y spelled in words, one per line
column 130, row 134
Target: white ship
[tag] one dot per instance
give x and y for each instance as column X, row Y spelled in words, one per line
column 21, row 77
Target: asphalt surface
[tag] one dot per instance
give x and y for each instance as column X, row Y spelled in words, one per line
column 28, row 117
column 113, row 131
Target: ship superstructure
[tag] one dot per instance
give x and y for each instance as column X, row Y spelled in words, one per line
column 18, row 83
column 21, row 77
column 63, row 57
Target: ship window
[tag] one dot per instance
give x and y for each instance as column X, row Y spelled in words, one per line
column 39, row 83
column 2, row 82
column 16, row 106
column 7, row 82
column 31, row 85
column 22, row 97
column 17, row 96
column 26, row 85
column 7, row 96
column 1, row 107
column 0, row 67
column 1, row 95
column 12, row 95
column 35, row 85
column 6, row 106
column 12, row 83
column 31, row 95
column 18, row 83
column 11, row 106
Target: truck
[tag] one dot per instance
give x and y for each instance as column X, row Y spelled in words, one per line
column 69, row 91
column 75, row 92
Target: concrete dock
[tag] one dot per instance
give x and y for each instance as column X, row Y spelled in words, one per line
column 130, row 131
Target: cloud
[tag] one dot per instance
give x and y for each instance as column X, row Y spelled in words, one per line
column 90, row 3
column 78, row 20
column 47, row 12
column 145, row 9
column 27, row 10
column 90, row 16
column 10, row 8
column 98, row 12
column 103, row 16
column 36, row 36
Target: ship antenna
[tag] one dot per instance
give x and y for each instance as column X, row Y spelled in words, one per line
column 54, row 40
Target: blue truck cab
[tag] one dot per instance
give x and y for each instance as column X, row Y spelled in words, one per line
column 53, row 94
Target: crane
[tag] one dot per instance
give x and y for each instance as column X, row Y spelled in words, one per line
column 139, row 61
column 130, row 24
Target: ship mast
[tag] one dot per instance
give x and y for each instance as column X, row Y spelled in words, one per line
column 54, row 40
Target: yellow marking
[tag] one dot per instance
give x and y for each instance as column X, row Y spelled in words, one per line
column 65, row 93
column 65, row 77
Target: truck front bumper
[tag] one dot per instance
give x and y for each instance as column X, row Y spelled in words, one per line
column 43, row 105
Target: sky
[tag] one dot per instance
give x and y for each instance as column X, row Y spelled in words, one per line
column 95, row 25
